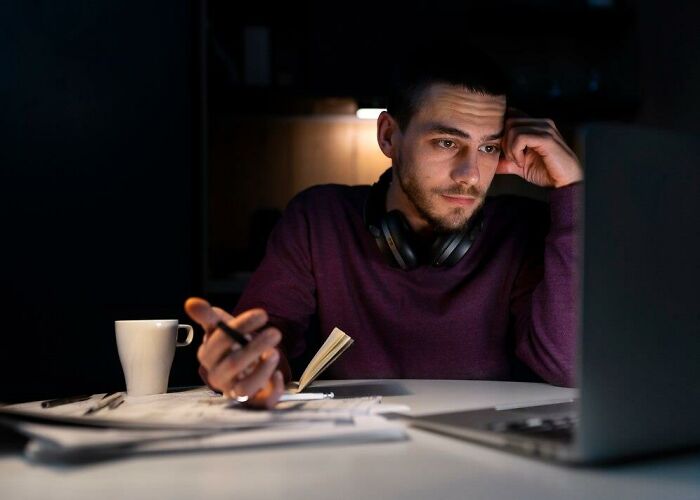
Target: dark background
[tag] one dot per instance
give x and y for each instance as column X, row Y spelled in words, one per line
column 104, row 127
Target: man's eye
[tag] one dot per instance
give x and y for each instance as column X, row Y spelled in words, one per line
column 490, row 149
column 446, row 143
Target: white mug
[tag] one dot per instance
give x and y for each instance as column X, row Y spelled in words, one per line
column 146, row 351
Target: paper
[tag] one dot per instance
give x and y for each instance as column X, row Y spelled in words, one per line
column 198, row 408
column 59, row 443
column 194, row 419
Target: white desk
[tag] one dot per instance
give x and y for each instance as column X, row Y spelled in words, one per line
column 428, row 466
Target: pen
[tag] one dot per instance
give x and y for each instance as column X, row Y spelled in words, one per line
column 112, row 401
column 64, row 401
column 306, row 396
column 116, row 403
column 233, row 333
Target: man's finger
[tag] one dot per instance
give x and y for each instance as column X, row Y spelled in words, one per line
column 247, row 322
column 202, row 312
column 222, row 314
column 217, row 347
column 259, row 377
column 269, row 395
column 268, row 338
column 208, row 317
column 235, row 363
column 540, row 143
column 518, row 138
column 519, row 121
column 219, row 342
column 512, row 112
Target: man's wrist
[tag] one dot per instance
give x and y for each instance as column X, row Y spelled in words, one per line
column 564, row 205
column 573, row 178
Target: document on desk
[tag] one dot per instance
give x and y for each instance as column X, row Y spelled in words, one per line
column 198, row 409
column 191, row 420
column 52, row 443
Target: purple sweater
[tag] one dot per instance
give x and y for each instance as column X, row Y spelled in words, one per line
column 505, row 310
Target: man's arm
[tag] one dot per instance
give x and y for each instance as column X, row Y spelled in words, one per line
column 284, row 284
column 544, row 300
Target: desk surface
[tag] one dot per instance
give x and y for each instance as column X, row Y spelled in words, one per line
column 427, row 466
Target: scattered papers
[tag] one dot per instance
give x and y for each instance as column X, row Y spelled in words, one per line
column 69, row 444
column 197, row 409
column 194, row 419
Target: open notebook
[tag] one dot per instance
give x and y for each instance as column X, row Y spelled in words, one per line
column 332, row 348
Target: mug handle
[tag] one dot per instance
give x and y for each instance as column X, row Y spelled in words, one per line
column 190, row 335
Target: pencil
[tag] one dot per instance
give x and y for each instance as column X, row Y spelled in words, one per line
column 111, row 401
column 64, row 401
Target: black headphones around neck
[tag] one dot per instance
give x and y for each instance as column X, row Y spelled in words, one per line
column 398, row 243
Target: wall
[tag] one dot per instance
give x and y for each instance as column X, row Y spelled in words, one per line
column 260, row 163
column 669, row 44
column 97, row 186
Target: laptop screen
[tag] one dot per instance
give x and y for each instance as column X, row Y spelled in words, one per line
column 639, row 344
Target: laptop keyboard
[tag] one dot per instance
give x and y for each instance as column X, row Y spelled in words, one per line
column 561, row 428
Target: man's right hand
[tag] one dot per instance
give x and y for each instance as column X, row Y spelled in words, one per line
column 249, row 371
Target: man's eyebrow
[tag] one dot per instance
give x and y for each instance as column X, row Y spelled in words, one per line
column 493, row 137
column 445, row 129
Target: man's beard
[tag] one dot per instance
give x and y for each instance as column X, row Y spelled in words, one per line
column 456, row 219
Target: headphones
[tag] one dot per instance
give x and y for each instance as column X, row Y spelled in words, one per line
column 398, row 243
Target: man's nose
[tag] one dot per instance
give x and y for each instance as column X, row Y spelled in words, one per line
column 467, row 170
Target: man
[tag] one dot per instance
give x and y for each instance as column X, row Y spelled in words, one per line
column 383, row 263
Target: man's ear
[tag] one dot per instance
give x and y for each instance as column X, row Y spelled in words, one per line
column 388, row 134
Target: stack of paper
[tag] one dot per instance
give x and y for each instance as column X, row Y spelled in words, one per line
column 193, row 420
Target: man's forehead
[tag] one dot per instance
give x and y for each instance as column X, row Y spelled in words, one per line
column 441, row 97
column 455, row 107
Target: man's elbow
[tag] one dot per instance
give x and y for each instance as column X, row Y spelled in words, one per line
column 559, row 374
column 563, row 379
column 556, row 368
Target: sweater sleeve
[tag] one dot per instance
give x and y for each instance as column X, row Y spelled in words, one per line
column 545, row 296
column 284, row 284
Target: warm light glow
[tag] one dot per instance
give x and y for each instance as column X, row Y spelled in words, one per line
column 369, row 113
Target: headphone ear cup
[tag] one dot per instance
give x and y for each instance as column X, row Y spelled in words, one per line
column 448, row 249
column 397, row 236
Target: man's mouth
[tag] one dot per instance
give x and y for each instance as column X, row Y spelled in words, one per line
column 460, row 200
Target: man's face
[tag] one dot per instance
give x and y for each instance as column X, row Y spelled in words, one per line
column 448, row 154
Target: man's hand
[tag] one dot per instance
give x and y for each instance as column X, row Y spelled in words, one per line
column 250, row 371
column 534, row 150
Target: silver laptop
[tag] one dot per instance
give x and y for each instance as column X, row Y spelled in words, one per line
column 639, row 338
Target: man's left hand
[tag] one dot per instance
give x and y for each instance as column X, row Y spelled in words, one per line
column 534, row 149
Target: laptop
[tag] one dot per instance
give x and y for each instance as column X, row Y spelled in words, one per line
column 638, row 363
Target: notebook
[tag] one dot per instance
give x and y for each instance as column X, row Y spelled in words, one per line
column 335, row 345
column 639, row 337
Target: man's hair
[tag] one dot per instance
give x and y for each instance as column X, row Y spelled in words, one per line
column 420, row 68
